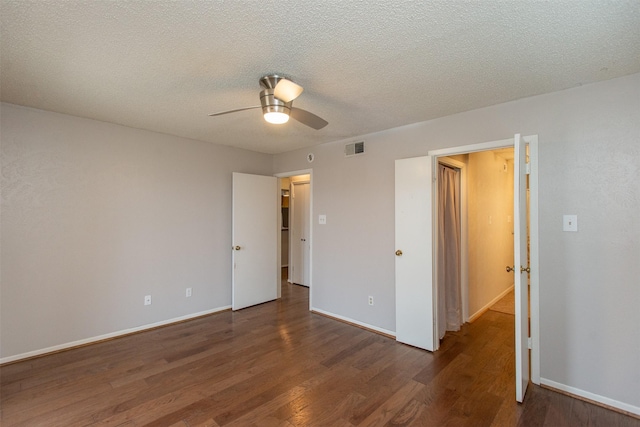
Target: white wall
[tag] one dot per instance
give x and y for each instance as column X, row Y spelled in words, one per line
column 95, row 216
column 589, row 152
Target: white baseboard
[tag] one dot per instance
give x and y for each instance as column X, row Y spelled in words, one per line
column 91, row 340
column 624, row 407
column 354, row 322
column 480, row 312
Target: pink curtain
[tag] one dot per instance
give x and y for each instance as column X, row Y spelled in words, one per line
column 449, row 293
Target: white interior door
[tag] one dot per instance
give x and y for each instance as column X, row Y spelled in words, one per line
column 414, row 253
column 306, row 227
column 521, row 267
column 255, row 240
column 300, row 233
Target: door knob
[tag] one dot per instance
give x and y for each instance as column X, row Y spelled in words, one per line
column 398, row 252
column 522, row 269
column 237, row 248
column 510, row 269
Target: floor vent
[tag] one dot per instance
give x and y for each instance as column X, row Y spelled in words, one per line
column 354, row 149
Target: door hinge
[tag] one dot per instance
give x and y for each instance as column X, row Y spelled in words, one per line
column 528, row 168
column 529, row 345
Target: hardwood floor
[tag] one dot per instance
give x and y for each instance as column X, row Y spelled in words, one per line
column 277, row 364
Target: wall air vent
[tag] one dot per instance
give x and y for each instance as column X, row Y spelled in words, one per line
column 354, row 149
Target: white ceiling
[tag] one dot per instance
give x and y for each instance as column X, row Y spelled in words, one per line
column 365, row 65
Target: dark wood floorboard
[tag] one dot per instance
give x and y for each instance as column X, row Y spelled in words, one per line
column 277, row 364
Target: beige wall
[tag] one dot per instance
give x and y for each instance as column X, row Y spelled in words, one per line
column 490, row 228
column 301, row 178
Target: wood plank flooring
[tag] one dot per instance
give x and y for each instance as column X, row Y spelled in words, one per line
column 277, row 364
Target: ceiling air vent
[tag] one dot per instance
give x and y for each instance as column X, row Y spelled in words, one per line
column 354, row 148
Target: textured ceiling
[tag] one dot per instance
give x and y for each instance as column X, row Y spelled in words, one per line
column 365, row 65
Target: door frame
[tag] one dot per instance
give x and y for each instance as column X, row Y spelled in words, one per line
column 288, row 175
column 534, row 291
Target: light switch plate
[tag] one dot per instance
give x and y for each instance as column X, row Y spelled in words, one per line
column 322, row 219
column 569, row 222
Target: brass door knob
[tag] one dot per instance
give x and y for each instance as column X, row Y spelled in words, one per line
column 237, row 248
column 510, row 269
column 522, row 269
column 398, row 252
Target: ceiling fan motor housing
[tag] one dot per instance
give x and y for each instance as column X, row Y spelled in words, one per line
column 270, row 81
column 271, row 104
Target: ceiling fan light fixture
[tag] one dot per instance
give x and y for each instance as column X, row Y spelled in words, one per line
column 274, row 110
column 276, row 117
column 287, row 91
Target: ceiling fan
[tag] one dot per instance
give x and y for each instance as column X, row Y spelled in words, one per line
column 276, row 101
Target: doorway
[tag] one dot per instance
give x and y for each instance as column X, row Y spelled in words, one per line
column 526, row 251
column 473, row 254
column 416, row 256
column 295, row 228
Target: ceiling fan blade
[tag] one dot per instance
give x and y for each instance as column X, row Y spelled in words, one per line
column 307, row 118
column 233, row 111
column 287, row 91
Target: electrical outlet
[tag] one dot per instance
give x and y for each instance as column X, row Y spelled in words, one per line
column 147, row 300
column 370, row 300
column 188, row 292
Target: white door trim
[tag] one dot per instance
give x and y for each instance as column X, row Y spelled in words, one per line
column 534, row 262
column 532, row 140
column 520, row 257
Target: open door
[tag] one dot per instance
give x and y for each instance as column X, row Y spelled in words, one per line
column 300, row 234
column 255, row 240
column 521, row 282
column 414, row 253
